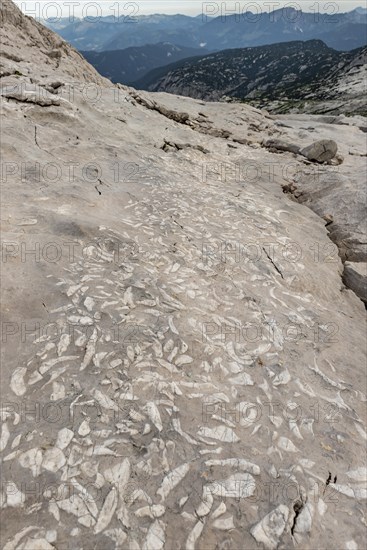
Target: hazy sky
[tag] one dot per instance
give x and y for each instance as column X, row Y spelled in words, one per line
column 60, row 8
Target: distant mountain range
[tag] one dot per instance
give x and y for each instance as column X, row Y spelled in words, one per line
column 109, row 33
column 289, row 71
column 341, row 31
column 132, row 64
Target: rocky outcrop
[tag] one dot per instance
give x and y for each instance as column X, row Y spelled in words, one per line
column 279, row 145
column 30, row 94
column 355, row 277
column 320, row 151
column 38, row 46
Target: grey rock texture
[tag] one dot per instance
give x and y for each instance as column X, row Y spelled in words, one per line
column 355, row 276
column 271, row 528
column 182, row 365
column 336, row 193
column 279, row 145
column 44, row 49
column 33, row 94
column 320, row 151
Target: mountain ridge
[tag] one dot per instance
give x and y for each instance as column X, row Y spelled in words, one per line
column 342, row 31
column 289, row 71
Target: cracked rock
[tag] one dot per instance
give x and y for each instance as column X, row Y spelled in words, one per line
column 320, row 151
column 31, row 94
column 355, row 277
column 269, row 530
column 303, row 522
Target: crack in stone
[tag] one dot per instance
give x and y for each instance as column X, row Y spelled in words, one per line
column 274, row 264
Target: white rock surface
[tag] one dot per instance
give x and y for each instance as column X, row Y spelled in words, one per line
column 269, row 530
column 212, row 294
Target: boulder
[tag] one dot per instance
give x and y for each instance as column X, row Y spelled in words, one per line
column 320, row 151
